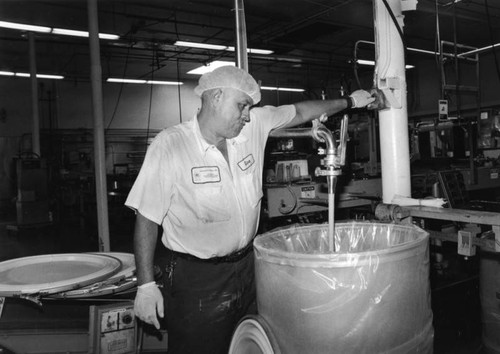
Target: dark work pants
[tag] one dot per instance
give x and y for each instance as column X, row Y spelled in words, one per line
column 204, row 302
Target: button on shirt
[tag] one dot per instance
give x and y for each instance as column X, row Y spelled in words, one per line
column 206, row 206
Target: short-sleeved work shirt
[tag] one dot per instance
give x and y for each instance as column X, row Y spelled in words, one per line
column 206, row 206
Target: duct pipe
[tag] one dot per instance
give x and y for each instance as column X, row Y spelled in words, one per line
column 35, row 135
column 99, row 145
column 390, row 77
column 241, row 36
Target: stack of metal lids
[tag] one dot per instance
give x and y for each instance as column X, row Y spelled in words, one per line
column 68, row 275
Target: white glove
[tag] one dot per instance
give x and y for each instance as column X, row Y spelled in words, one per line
column 361, row 98
column 148, row 303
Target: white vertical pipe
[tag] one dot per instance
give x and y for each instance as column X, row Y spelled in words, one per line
column 35, row 135
column 393, row 121
column 241, row 36
column 99, row 144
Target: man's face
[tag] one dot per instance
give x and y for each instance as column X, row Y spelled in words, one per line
column 233, row 111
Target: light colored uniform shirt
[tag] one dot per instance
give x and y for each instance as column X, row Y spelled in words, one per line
column 206, row 207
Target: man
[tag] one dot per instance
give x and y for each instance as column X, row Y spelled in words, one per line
column 201, row 181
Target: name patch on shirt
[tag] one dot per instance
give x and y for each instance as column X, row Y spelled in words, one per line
column 246, row 162
column 206, row 174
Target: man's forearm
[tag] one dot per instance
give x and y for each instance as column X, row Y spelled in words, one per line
column 145, row 238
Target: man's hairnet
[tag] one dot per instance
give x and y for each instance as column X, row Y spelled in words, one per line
column 229, row 76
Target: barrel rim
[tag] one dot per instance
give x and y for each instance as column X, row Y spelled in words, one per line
column 341, row 258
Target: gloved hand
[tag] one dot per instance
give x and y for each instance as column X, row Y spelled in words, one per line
column 380, row 101
column 361, row 98
column 149, row 303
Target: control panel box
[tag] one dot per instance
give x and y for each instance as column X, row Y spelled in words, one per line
column 113, row 329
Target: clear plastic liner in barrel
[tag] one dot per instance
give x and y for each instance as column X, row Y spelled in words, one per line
column 372, row 295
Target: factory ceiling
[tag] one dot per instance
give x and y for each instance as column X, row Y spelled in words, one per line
column 313, row 41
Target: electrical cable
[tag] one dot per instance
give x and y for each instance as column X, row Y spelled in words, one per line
column 150, row 103
column 179, row 91
column 295, row 200
column 120, row 92
column 396, row 24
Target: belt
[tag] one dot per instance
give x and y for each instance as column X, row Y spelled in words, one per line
column 230, row 258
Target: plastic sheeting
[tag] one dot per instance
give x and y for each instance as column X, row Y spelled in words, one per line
column 371, row 296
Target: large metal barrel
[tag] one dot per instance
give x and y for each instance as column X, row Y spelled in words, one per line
column 489, row 290
column 372, row 295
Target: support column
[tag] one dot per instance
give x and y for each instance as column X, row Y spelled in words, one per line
column 35, row 135
column 99, row 143
column 241, row 36
column 393, row 121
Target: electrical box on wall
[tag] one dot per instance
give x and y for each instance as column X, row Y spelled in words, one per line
column 113, row 329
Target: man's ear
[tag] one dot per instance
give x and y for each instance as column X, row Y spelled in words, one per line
column 218, row 94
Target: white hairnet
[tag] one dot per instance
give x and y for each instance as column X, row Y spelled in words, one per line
column 229, row 76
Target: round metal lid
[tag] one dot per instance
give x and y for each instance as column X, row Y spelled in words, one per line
column 122, row 280
column 127, row 269
column 97, row 289
column 53, row 273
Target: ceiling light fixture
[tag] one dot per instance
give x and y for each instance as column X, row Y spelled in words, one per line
column 23, row 27
column 219, row 47
column 74, row 33
column 151, row 82
column 60, row 31
column 39, row 76
column 253, row 51
column 372, row 63
column 200, row 45
column 289, row 89
column 209, row 67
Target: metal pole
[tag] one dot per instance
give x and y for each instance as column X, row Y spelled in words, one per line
column 99, row 144
column 35, row 136
column 241, row 36
column 393, row 121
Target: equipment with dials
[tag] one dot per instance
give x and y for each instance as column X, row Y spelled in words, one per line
column 113, row 329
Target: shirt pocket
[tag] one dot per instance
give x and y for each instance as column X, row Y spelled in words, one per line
column 212, row 204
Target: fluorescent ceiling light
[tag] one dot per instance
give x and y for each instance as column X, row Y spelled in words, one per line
column 209, row 67
column 63, row 31
column 253, row 51
column 6, row 73
column 151, row 82
column 219, row 47
column 74, row 33
column 372, row 63
column 200, row 45
column 159, row 82
column 126, row 81
column 23, row 27
column 289, row 89
column 40, row 76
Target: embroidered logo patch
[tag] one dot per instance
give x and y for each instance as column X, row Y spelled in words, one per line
column 246, row 162
column 206, row 174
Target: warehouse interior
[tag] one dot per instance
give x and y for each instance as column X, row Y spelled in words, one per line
column 73, row 140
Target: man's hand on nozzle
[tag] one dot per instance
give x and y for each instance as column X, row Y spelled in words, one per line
column 380, row 102
column 148, row 304
column 361, row 98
